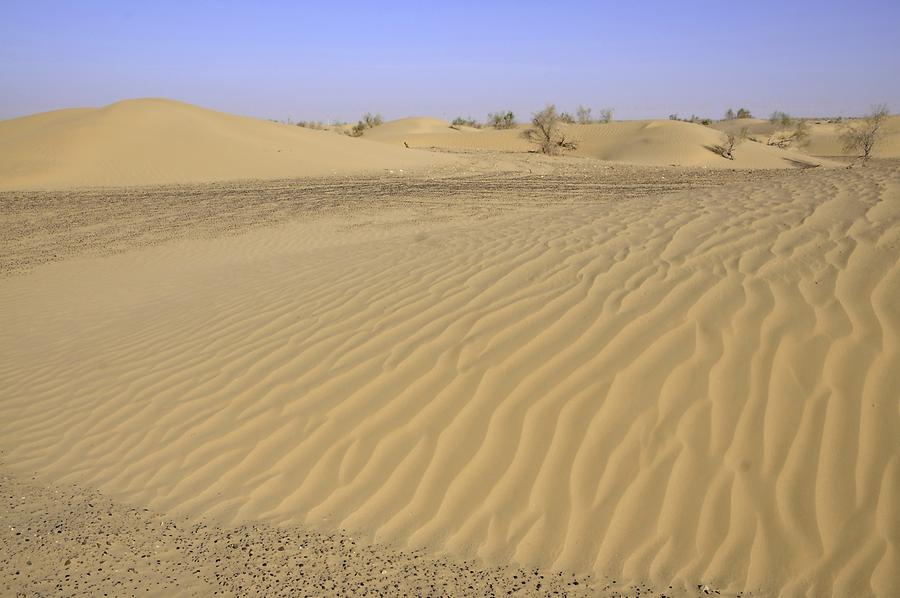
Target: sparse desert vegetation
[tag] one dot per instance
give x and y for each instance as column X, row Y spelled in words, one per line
column 547, row 133
column 862, row 135
column 368, row 121
column 583, row 114
column 502, row 120
column 732, row 140
column 795, row 134
column 465, row 122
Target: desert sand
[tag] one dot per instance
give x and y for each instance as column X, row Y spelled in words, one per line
column 158, row 141
column 824, row 135
column 493, row 372
column 649, row 143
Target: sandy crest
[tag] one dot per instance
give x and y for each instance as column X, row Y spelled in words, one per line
column 692, row 388
column 159, row 141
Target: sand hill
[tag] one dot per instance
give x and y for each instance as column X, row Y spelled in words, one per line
column 824, row 135
column 153, row 141
column 698, row 387
column 651, row 143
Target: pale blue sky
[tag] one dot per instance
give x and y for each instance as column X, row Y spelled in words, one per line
column 337, row 60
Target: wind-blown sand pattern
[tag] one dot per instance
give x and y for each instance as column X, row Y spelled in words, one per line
column 698, row 387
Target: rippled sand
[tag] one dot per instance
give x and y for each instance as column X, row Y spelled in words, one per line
column 682, row 388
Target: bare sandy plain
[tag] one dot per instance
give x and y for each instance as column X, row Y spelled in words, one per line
column 485, row 373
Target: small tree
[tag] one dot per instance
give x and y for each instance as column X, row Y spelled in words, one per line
column 567, row 118
column 862, row 135
column 584, row 115
column 744, row 113
column 502, row 120
column 606, row 115
column 732, row 140
column 547, row 133
column 729, row 114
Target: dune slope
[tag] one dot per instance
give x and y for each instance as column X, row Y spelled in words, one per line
column 649, row 143
column 824, row 137
column 697, row 388
column 152, row 141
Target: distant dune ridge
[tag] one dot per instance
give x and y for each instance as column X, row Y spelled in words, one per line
column 156, row 141
column 651, row 143
column 694, row 388
column 824, row 134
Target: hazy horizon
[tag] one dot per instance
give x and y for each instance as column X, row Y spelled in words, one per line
column 277, row 60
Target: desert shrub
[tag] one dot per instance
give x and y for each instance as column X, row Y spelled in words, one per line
column 673, row 117
column 368, row 121
column 567, row 118
column 310, row 124
column 732, row 140
column 358, row 129
column 781, row 118
column 546, row 132
column 583, row 114
column 798, row 135
column 372, row 120
column 502, row 120
column 862, row 135
column 465, row 122
column 606, row 115
column 706, row 122
column 729, row 114
column 743, row 113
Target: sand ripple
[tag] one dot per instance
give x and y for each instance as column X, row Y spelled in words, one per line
column 700, row 387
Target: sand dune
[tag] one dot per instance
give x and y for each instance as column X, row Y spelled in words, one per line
column 824, row 138
column 694, row 388
column 651, row 143
column 151, row 141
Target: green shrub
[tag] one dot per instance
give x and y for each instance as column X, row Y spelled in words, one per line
column 502, row 120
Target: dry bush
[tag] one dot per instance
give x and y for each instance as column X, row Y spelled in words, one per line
column 368, row 121
column 781, row 118
column 583, row 114
column 732, row 140
column 862, row 135
column 311, row 124
column 567, row 118
column 502, row 120
column 729, row 114
column 465, row 122
column 798, row 135
column 372, row 120
column 606, row 115
column 744, row 113
column 546, row 132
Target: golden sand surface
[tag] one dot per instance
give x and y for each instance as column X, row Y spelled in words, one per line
column 659, row 376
